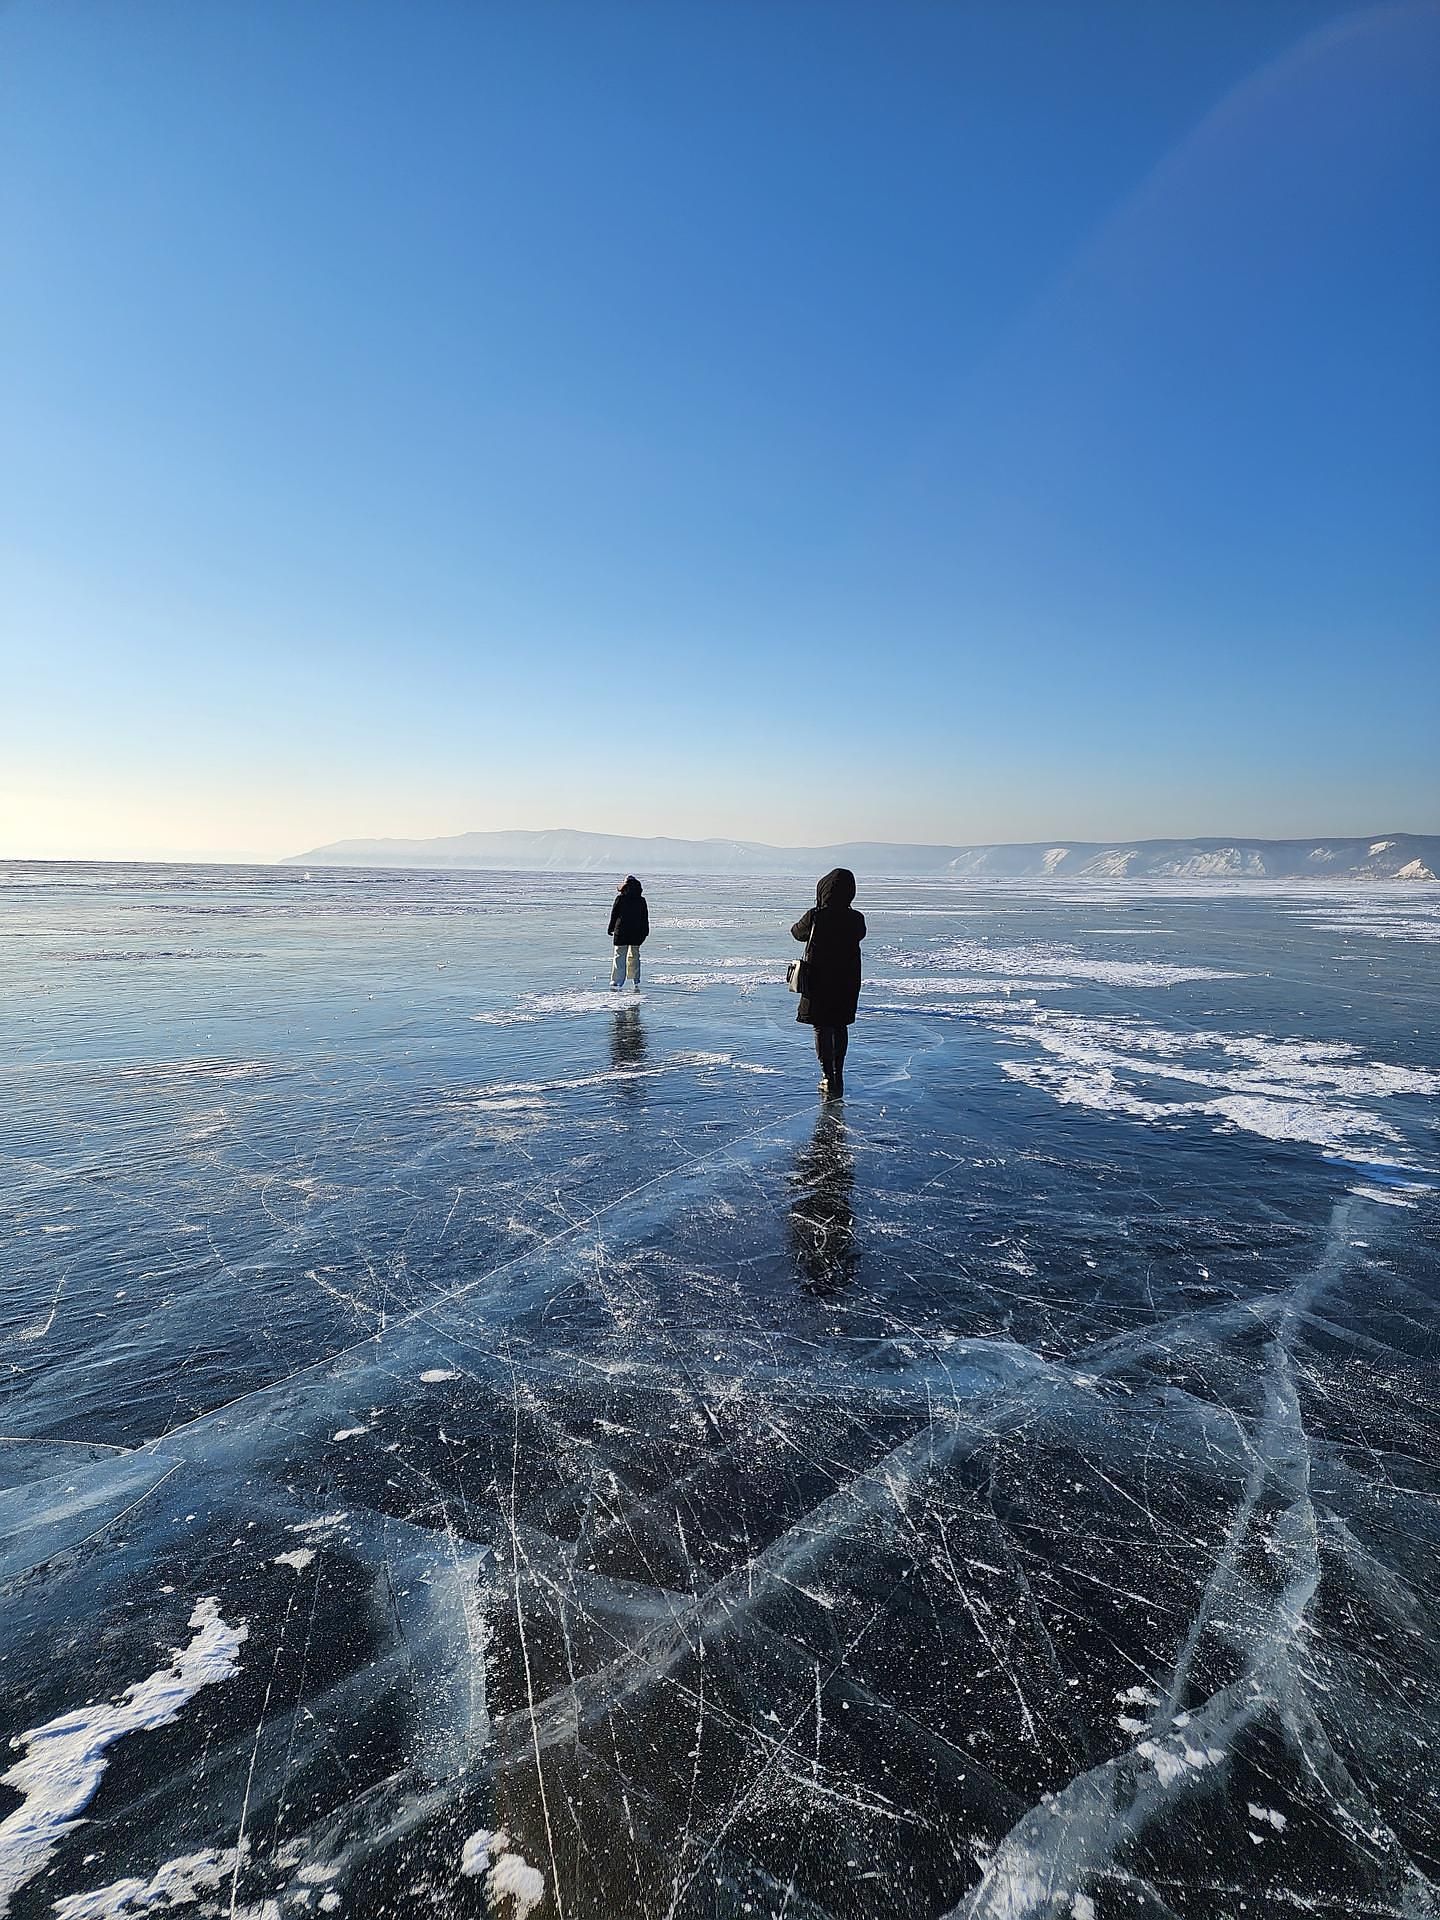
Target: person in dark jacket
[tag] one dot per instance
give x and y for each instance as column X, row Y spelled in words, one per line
column 629, row 928
column 833, row 931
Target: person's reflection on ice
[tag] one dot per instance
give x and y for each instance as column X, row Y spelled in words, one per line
column 628, row 1053
column 822, row 1216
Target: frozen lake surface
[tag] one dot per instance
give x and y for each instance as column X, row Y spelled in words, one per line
column 476, row 1444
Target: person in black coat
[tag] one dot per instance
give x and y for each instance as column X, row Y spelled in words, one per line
column 629, row 928
column 833, row 931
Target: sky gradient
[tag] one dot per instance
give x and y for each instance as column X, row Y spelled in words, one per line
column 947, row 422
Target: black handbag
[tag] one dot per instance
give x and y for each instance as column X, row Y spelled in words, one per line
column 797, row 974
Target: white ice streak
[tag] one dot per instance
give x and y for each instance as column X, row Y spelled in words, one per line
column 512, row 1886
column 696, row 979
column 950, row 983
column 546, row 1006
column 1387, row 1196
column 1382, row 924
column 64, row 1759
column 511, row 1093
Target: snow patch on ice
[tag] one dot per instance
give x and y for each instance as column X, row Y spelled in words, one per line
column 322, row 1523
column 1320, row 1093
column 1056, row 965
column 512, row 1886
column 475, row 1853
column 178, row 1883
column 433, row 1375
column 1307, row 1121
column 1176, row 1759
column 1266, row 1816
column 63, row 1760
column 298, row 1557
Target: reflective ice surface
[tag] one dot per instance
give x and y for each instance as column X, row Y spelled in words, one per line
column 477, row 1443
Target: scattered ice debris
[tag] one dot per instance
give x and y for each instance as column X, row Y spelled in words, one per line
column 64, row 1759
column 298, row 1557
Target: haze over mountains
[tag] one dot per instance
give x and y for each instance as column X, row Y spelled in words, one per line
column 1395, row 856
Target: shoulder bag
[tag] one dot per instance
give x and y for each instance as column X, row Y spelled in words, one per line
column 797, row 974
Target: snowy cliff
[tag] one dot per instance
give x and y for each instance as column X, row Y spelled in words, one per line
column 1396, row 856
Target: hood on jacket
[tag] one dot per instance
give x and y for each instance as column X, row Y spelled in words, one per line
column 631, row 885
column 837, row 889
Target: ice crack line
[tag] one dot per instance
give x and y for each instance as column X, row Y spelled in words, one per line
column 1076, row 1836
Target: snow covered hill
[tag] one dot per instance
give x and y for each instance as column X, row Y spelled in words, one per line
column 1396, row 856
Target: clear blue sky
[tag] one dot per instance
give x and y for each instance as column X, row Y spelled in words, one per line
column 796, row 420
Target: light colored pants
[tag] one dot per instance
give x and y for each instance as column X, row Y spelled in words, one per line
column 627, row 960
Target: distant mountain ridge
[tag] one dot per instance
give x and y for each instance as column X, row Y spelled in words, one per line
column 1394, row 856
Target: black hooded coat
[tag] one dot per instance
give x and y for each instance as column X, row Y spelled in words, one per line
column 834, row 931
column 630, row 917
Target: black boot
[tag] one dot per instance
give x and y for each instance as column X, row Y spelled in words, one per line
column 825, row 1049
column 836, row 1075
